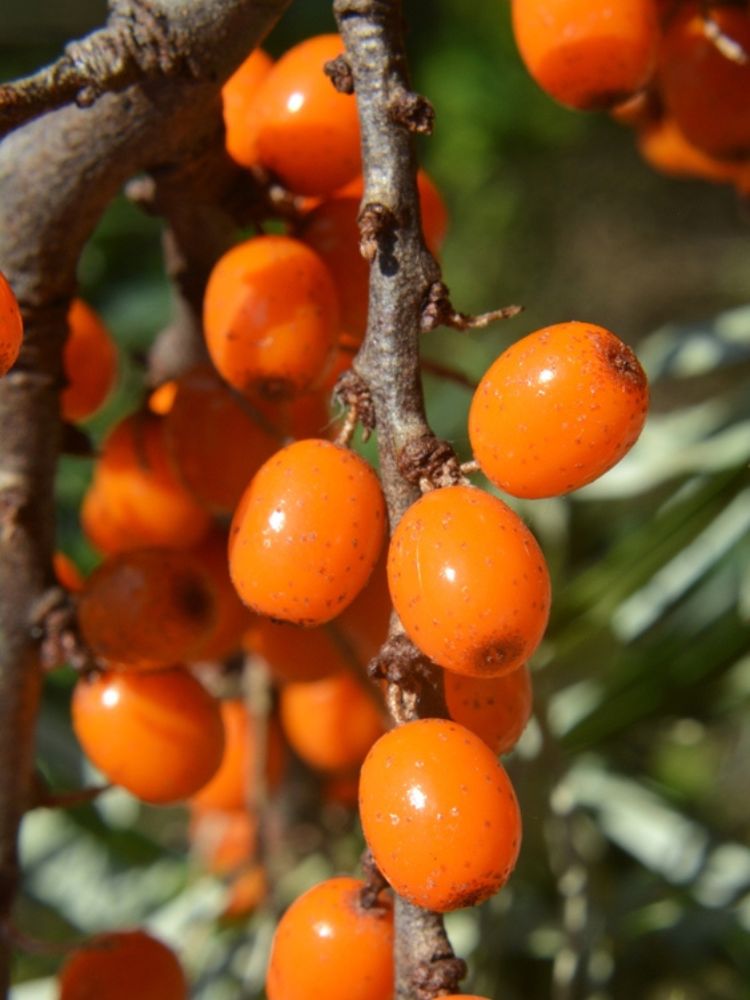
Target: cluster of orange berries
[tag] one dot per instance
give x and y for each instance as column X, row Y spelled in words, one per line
column 676, row 70
column 307, row 585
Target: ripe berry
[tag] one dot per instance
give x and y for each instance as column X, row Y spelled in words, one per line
column 307, row 533
column 157, row 734
column 664, row 147
column 214, row 440
column 328, row 945
column 705, row 90
column 120, row 966
column 330, row 723
column 584, row 53
column 439, row 815
column 67, row 573
column 469, row 581
column 90, row 363
column 11, row 327
column 146, row 608
column 271, row 316
column 296, row 653
column 135, row 498
column 237, row 97
column 307, row 132
column 223, row 840
column 557, row 409
column 231, row 618
column 231, row 786
column 495, row 708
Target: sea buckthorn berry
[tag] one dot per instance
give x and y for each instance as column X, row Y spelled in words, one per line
column 332, row 231
column 439, row 815
column 223, row 840
column 705, row 90
column 271, row 316
column 307, row 533
column 469, row 581
column 146, row 608
column 136, row 498
column 557, row 409
column 90, row 363
column 330, row 723
column 307, row 132
column 237, row 97
column 231, row 618
column 495, row 708
column 158, row 734
column 11, row 327
column 584, row 53
column 231, row 786
column 663, row 146
column 67, row 573
column 328, row 945
column 245, row 893
column 364, row 623
column 296, row 653
column 120, row 966
column 214, row 440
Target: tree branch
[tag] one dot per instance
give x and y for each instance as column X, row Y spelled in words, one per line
column 57, row 176
column 402, row 272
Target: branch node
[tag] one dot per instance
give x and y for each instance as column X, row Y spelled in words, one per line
column 438, row 310
column 54, row 626
column 429, row 463
column 339, row 73
column 377, row 226
column 412, row 111
column 442, row 973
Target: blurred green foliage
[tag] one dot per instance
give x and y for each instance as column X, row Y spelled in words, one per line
column 635, row 875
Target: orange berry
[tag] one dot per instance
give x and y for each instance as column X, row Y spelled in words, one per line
column 469, row 581
column 135, row 498
column 663, row 146
column 364, row 623
column 237, row 97
column 67, row 573
column 332, row 231
column 271, row 316
column 161, row 399
column 557, row 409
column 307, row 533
column 245, row 893
column 231, row 786
column 330, row 723
column 328, row 945
column 146, row 608
column 495, row 708
column 157, row 734
column 223, row 840
column 584, row 53
column 307, row 132
column 296, row 653
column 90, row 363
column 120, row 966
column 705, row 90
column 214, row 440
column 231, row 619
column 11, row 327
column 439, row 815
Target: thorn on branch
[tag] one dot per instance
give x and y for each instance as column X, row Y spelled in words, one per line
column 439, row 311
column 339, row 73
column 413, row 111
column 429, row 463
column 377, row 230
column 352, row 392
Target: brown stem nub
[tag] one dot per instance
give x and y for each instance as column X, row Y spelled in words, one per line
column 438, row 310
column 339, row 72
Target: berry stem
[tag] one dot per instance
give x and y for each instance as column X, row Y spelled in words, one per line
column 402, row 272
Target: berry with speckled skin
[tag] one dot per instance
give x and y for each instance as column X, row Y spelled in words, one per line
column 11, row 327
column 495, row 708
column 159, row 734
column 439, row 815
column 122, row 965
column 307, row 132
column 307, row 533
column 271, row 316
column 469, row 582
column 328, row 945
column 237, row 97
column 587, row 54
column 557, row 409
